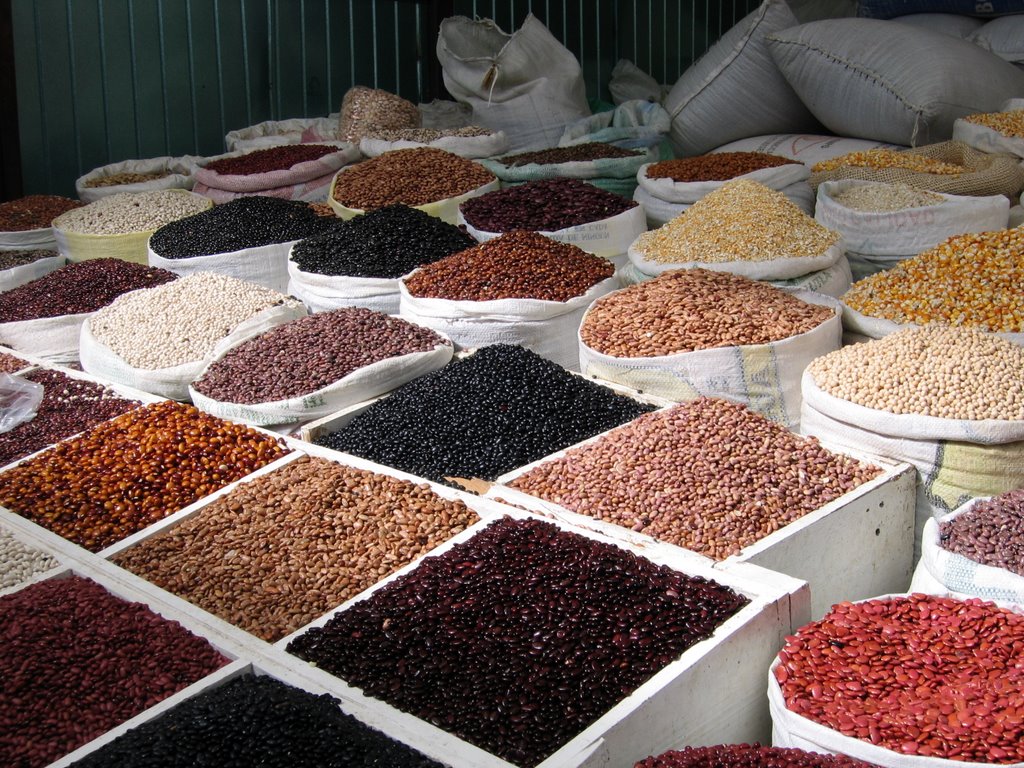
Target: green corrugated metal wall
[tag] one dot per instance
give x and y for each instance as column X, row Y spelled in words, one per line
column 105, row 80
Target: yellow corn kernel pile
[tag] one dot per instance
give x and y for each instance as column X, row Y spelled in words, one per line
column 1009, row 123
column 889, row 158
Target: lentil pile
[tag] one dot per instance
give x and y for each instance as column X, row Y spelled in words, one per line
column 945, row 372
column 127, row 212
column 740, row 221
column 592, row 150
column 920, row 675
column 515, row 265
column 388, row 242
column 287, row 547
column 127, row 177
column 68, row 406
column 1009, row 123
column 245, row 222
column 748, row 756
column 271, row 159
column 519, row 638
column 880, row 198
column 305, row 355
column 33, row 212
column 991, row 532
column 482, row 416
column 75, row 661
column 889, row 158
column 11, row 363
column 19, row 562
column 131, row 471
column 544, row 205
column 717, row 166
column 180, row 322
column 690, row 309
column 11, row 259
column 416, row 176
column 707, row 475
column 425, row 135
column 256, row 720
column 970, row 279
column 78, row 288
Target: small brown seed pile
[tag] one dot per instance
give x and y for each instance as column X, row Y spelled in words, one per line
column 34, row 211
column 990, row 532
column 592, row 150
column 287, row 547
column 885, row 197
column 11, row 259
column 1009, row 123
column 518, row 264
column 690, row 309
column 425, row 135
column 717, row 166
column 889, row 158
column 747, row 756
column 11, row 363
column 117, row 179
column 413, row 177
column 365, row 109
column 708, row 475
column 946, row 372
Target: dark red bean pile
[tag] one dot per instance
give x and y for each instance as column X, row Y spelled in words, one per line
column 68, row 406
column 919, row 675
column 270, row 159
column 519, row 638
column 245, row 222
column 747, row 756
column 303, row 356
column 11, row 259
column 388, row 242
column 593, row 150
column 545, row 205
column 482, row 416
column 515, row 265
column 75, row 661
column 256, row 720
column 10, row 363
column 77, row 288
column 990, row 532
column 34, row 212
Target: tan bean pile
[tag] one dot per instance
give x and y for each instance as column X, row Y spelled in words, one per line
column 364, row 109
column 690, row 309
column 946, row 372
column 287, row 547
column 890, row 158
column 426, row 135
column 740, row 221
column 117, row 179
column 885, row 197
column 1009, row 123
column 708, row 475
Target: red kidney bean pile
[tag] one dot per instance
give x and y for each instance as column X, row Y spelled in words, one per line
column 68, row 406
column 307, row 354
column 11, row 259
column 919, row 675
column 519, row 638
column 11, row 363
column 544, row 205
column 78, row 288
column 592, row 150
column 127, row 473
column 748, row 756
column 34, row 212
column 270, row 159
column 717, row 166
column 990, row 532
column 256, row 720
column 516, row 265
column 75, row 661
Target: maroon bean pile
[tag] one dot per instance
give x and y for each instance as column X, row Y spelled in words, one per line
column 33, row 212
column 75, row 661
column 592, row 150
column 990, row 532
column 308, row 354
column 748, row 756
column 545, row 205
column 10, row 363
column 11, row 259
column 516, row 265
column 717, row 166
column 270, row 159
column 519, row 638
column 78, row 288
column 919, row 675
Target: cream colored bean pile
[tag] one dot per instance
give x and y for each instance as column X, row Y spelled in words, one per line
column 740, row 221
column 19, row 562
column 690, row 309
column 947, row 372
column 885, row 197
column 181, row 321
column 128, row 212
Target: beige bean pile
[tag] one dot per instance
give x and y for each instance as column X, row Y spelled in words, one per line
column 181, row 321
column 426, row 135
column 690, row 309
column 941, row 371
column 1009, row 123
column 287, row 547
column 117, row 179
column 740, row 221
column 709, row 475
column 889, row 158
column 127, row 212
column 19, row 562
column 365, row 109
column 881, row 198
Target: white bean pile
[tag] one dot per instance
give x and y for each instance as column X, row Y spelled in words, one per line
column 19, row 562
column 881, row 198
column 128, row 212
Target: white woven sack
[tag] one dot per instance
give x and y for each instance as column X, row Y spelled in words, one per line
column 782, row 268
column 471, row 147
column 657, row 211
column 266, row 265
column 276, row 133
column 779, row 178
column 173, row 382
column 631, row 125
column 764, row 377
column 322, row 293
column 312, row 191
column 545, row 327
column 447, row 209
column 50, row 338
column 297, row 175
column 26, row 273
column 180, row 177
column 603, row 168
column 29, row 240
column 809, row 149
column 877, row 327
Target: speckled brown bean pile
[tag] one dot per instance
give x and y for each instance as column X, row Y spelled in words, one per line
column 709, row 475
column 285, row 548
column 717, row 166
column 11, row 363
column 990, row 532
column 33, row 212
column 690, row 309
column 127, row 177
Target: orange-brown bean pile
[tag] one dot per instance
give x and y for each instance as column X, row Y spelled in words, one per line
column 717, row 166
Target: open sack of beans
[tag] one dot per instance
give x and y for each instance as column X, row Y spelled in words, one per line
column 160, row 339
column 26, row 222
column 315, row 365
column 469, row 141
column 747, row 756
column 696, row 332
column 145, row 175
column 997, row 133
column 275, row 133
column 365, row 109
column 520, row 288
column 359, row 261
column 883, row 224
column 20, row 266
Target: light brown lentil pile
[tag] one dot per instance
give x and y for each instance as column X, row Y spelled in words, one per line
column 11, row 259
column 717, row 166
column 990, row 532
column 889, row 158
column 425, row 135
column 970, row 279
column 117, row 179
column 690, row 309
column 288, row 546
column 34, row 211
column 885, row 197
column 322, row 209
column 740, row 221
column 1009, row 123
column 10, row 363
column 941, row 371
column 708, row 475
column 592, row 150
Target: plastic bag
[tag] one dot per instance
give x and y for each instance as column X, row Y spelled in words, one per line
column 19, row 401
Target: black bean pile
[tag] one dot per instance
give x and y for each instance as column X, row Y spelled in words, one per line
column 482, row 416
column 519, row 638
column 78, row 288
column 256, row 721
column 546, row 205
column 991, row 532
column 11, row 259
column 388, row 242
column 592, row 150
column 245, row 222
column 748, row 756
column 303, row 356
